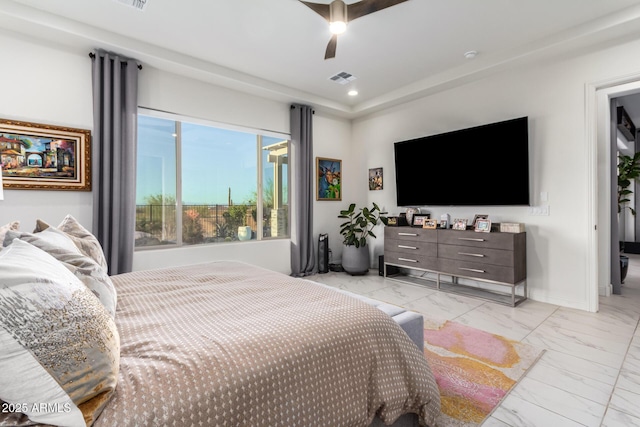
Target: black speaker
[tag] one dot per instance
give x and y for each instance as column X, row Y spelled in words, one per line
column 323, row 253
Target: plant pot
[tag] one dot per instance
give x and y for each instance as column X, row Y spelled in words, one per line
column 244, row 233
column 355, row 261
column 624, row 267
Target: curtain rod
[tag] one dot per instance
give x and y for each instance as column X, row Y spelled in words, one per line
column 93, row 55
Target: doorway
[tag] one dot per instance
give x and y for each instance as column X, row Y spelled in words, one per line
column 601, row 256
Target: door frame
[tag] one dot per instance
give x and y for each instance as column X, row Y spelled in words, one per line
column 598, row 125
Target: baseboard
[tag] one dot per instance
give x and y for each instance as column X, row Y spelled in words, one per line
column 605, row 291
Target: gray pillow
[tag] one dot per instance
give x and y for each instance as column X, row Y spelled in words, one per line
column 57, row 244
column 82, row 238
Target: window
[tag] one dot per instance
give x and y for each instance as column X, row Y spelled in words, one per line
column 201, row 183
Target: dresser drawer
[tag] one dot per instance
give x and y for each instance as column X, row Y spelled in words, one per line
column 414, row 260
column 410, row 234
column 477, row 254
column 477, row 270
column 505, row 241
column 412, row 247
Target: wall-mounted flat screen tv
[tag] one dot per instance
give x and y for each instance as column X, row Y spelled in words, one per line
column 486, row 165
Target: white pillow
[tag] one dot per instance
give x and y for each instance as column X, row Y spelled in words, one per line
column 58, row 344
column 57, row 244
column 14, row 225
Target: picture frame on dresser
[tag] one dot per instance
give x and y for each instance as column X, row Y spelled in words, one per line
column 477, row 217
column 483, row 225
column 418, row 219
column 459, row 224
column 430, row 224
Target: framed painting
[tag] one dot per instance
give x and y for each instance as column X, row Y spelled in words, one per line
column 44, row 157
column 375, row 179
column 329, row 179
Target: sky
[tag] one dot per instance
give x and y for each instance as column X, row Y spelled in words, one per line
column 213, row 160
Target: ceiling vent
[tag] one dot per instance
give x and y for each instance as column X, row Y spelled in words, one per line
column 136, row 4
column 343, row 78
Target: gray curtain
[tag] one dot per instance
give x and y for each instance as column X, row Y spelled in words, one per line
column 115, row 123
column 303, row 260
column 615, row 238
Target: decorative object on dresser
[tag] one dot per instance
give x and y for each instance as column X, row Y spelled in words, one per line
column 511, row 227
column 459, row 224
column 483, row 225
column 409, row 214
column 477, row 217
column 397, row 221
column 430, row 223
column 355, row 254
column 419, row 218
column 493, row 260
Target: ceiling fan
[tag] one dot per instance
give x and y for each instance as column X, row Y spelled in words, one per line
column 339, row 14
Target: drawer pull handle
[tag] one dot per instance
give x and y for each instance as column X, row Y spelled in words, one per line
column 475, row 270
column 407, row 247
column 469, row 238
column 467, row 254
column 408, row 234
column 407, row 259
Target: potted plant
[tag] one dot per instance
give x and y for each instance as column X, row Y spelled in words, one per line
column 359, row 226
column 628, row 170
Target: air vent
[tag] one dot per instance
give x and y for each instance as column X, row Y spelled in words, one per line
column 136, row 4
column 343, row 78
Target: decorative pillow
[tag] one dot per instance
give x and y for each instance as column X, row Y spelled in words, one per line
column 14, row 225
column 57, row 244
column 59, row 348
column 83, row 239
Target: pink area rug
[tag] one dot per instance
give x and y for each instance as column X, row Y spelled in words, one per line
column 474, row 369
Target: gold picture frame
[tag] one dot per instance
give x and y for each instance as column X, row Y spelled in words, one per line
column 37, row 156
column 430, row 224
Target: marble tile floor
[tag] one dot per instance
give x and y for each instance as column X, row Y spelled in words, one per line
column 589, row 374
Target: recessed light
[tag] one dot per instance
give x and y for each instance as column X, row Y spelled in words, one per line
column 471, row 54
column 352, row 93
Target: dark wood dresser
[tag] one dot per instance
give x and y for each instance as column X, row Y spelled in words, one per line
column 490, row 262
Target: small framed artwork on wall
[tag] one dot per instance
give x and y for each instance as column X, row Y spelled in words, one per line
column 329, row 179
column 375, row 179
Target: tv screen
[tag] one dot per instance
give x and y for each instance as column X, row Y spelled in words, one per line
column 481, row 166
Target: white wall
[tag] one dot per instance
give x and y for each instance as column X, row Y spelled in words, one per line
column 553, row 97
column 51, row 85
column 42, row 85
column 332, row 139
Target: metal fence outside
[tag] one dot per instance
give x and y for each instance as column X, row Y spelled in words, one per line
column 156, row 224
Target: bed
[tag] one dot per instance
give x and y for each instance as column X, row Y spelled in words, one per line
column 230, row 344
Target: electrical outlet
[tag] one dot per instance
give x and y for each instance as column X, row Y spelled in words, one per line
column 542, row 210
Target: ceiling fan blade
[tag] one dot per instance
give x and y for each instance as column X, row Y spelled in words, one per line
column 320, row 9
column 365, row 7
column 331, row 47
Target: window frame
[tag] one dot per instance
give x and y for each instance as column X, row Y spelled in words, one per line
column 179, row 119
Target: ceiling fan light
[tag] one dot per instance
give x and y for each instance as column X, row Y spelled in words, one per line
column 337, row 27
column 337, row 17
